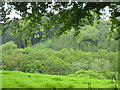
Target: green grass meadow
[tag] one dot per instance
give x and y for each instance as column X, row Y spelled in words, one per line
column 16, row 79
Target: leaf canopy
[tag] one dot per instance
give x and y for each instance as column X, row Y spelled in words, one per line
column 45, row 15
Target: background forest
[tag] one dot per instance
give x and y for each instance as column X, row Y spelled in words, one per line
column 60, row 44
column 93, row 53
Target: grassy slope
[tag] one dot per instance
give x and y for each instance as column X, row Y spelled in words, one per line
column 16, row 79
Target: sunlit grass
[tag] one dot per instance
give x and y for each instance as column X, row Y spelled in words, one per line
column 16, row 79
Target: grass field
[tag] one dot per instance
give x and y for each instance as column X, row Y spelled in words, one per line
column 16, row 79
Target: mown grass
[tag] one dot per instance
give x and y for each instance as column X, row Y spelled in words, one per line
column 16, row 79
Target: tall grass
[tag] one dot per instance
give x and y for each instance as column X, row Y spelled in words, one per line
column 16, row 79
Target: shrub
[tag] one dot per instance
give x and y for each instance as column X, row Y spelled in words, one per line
column 23, row 51
column 63, row 53
column 9, row 45
column 38, row 54
column 14, row 61
column 34, row 66
column 98, row 65
column 108, row 74
column 89, row 73
column 55, row 65
column 81, row 64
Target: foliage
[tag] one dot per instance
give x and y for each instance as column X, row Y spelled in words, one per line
column 62, row 62
column 91, row 39
column 9, row 45
column 66, row 15
column 108, row 74
column 55, row 65
column 13, row 61
column 89, row 73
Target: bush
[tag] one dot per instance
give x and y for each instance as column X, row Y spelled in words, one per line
column 89, row 73
column 9, row 45
column 14, row 61
column 55, row 65
column 108, row 74
column 78, row 65
column 63, row 53
column 38, row 55
column 61, row 62
column 33, row 66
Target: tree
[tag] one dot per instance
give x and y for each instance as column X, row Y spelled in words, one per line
column 66, row 15
column 91, row 38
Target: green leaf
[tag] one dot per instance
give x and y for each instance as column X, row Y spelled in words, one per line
column 41, row 29
column 36, row 36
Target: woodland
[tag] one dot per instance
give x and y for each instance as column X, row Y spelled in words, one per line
column 60, row 45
